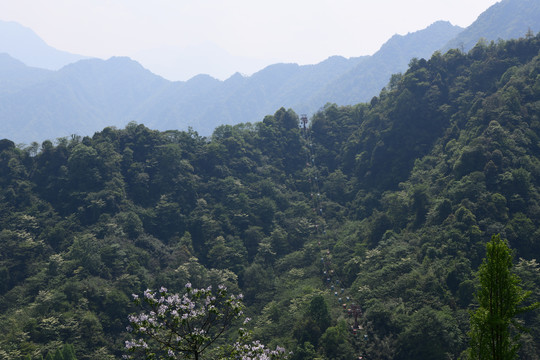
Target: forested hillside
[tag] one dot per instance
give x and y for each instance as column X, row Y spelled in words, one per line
column 387, row 205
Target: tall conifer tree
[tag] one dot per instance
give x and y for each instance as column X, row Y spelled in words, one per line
column 499, row 298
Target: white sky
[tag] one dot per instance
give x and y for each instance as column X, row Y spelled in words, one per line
column 240, row 33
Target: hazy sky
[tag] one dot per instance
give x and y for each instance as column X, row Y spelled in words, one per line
column 195, row 35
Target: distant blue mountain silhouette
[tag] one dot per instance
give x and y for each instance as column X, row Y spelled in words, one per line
column 23, row 44
column 88, row 95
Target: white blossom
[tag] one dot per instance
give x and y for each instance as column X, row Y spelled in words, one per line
column 174, row 323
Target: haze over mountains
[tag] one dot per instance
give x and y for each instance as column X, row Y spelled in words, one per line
column 85, row 96
column 23, row 44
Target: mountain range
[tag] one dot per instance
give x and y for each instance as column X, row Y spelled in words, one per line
column 89, row 94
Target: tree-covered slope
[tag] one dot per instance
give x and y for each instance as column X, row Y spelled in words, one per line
column 443, row 160
column 386, row 205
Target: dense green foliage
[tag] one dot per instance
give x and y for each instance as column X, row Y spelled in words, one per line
column 412, row 185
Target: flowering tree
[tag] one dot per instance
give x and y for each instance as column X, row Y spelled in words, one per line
column 245, row 349
column 184, row 326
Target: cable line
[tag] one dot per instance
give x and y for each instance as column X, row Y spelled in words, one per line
column 330, row 277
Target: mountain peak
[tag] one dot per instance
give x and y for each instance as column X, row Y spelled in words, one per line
column 203, row 79
column 125, row 61
column 421, row 43
column 236, row 77
column 115, row 66
column 25, row 45
column 433, row 31
column 507, row 19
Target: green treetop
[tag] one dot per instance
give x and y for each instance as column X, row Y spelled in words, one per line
column 494, row 332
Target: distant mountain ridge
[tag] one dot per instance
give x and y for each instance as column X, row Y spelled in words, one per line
column 367, row 79
column 23, row 44
column 78, row 98
column 507, row 19
column 89, row 95
column 14, row 75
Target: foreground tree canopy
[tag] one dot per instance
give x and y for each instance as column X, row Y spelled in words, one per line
column 382, row 209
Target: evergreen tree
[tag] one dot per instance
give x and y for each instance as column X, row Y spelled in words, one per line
column 499, row 298
column 68, row 352
column 58, row 355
